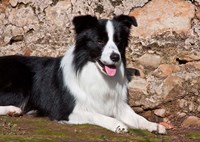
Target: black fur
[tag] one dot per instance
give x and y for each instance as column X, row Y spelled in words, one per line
column 37, row 82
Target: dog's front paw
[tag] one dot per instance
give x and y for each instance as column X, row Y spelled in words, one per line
column 13, row 111
column 121, row 129
column 157, row 128
column 161, row 129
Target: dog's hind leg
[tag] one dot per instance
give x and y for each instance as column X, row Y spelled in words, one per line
column 10, row 110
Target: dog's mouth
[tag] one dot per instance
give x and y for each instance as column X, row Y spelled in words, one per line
column 109, row 70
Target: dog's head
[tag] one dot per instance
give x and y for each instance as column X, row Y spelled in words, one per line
column 101, row 41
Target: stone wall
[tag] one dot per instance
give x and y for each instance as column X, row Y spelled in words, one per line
column 164, row 48
column 43, row 27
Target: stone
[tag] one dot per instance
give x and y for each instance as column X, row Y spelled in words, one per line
column 182, row 103
column 160, row 112
column 57, row 15
column 138, row 84
column 181, row 114
column 165, row 70
column 3, row 5
column 195, row 65
column 17, row 31
column 160, row 16
column 166, row 120
column 195, row 32
column 23, row 16
column 138, row 109
column 27, row 52
column 13, row 3
column 197, row 2
column 148, row 114
column 191, row 107
column 170, row 83
column 198, row 109
column 135, row 97
column 150, row 60
column 198, row 14
column 191, row 121
column 188, row 57
column 167, row 125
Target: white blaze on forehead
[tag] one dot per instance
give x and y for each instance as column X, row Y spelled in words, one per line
column 110, row 30
column 110, row 46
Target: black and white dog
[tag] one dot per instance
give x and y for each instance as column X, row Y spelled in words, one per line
column 87, row 85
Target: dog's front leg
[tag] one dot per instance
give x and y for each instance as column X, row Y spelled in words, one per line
column 133, row 120
column 85, row 117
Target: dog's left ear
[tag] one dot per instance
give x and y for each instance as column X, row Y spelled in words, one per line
column 126, row 20
column 82, row 23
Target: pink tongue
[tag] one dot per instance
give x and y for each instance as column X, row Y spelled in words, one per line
column 110, row 71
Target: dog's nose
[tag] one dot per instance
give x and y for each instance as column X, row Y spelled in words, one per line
column 114, row 57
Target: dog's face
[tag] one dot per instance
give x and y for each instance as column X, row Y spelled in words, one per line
column 101, row 41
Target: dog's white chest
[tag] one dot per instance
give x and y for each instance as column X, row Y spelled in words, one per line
column 102, row 93
column 93, row 91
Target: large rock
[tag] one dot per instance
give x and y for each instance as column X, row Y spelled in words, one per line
column 160, row 112
column 138, row 84
column 150, row 60
column 159, row 16
column 165, row 70
column 191, row 121
column 170, row 83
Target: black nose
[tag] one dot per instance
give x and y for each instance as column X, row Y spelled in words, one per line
column 114, row 57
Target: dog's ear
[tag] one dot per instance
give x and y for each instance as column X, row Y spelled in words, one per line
column 84, row 22
column 126, row 20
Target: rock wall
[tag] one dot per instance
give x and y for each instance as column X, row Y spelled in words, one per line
column 35, row 27
column 163, row 54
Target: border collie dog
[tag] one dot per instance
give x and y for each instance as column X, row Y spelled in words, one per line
column 87, row 85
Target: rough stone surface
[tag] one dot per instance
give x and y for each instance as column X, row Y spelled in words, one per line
column 160, row 112
column 139, row 83
column 198, row 14
column 191, row 121
column 45, row 26
column 150, row 60
column 165, row 70
column 159, row 16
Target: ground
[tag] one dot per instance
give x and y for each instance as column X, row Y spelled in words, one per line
column 36, row 129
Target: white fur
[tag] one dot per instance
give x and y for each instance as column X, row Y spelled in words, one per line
column 4, row 110
column 110, row 46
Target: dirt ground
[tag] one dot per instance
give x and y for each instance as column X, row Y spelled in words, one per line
column 36, row 129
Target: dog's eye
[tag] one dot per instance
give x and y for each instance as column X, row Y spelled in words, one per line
column 117, row 41
column 101, row 42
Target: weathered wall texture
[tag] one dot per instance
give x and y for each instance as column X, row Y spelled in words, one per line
column 38, row 27
column 164, row 47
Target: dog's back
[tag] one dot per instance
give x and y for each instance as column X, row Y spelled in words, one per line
column 34, row 83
